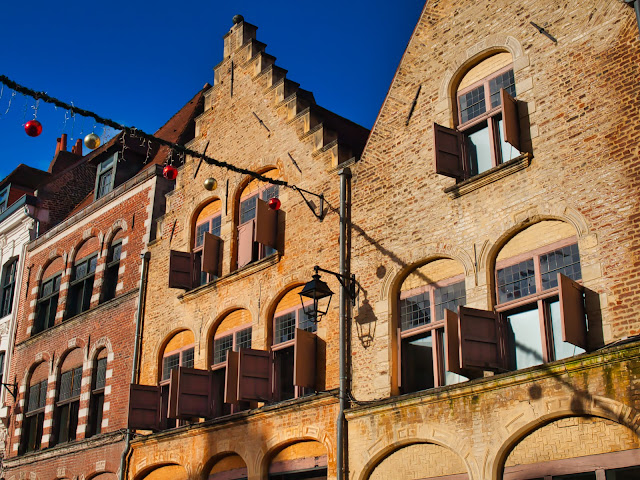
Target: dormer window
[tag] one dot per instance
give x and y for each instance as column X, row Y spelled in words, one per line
column 106, row 176
column 4, row 199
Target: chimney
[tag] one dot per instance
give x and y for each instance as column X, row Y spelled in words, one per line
column 77, row 148
column 61, row 144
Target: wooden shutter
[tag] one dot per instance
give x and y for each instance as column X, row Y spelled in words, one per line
column 211, row 254
column 304, row 359
column 451, row 342
column 480, row 343
column 266, row 231
column 191, row 393
column 510, row 119
column 572, row 314
column 254, row 375
column 172, row 397
column 231, row 378
column 181, row 272
column 144, row 407
column 448, row 151
column 245, row 243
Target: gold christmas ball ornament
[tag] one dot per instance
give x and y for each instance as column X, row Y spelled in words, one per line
column 92, row 141
column 210, row 184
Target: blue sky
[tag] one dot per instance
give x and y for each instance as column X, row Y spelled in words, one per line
column 139, row 62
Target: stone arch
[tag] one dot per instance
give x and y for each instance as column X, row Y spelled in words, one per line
column 446, row 440
column 205, row 199
column 162, row 345
column 273, row 302
column 212, row 327
column 86, row 245
column 59, row 361
column 483, row 49
column 491, row 249
column 119, row 225
column 40, row 358
column 53, row 257
column 206, row 467
column 148, row 472
column 591, row 406
column 100, row 344
column 282, row 440
column 102, row 475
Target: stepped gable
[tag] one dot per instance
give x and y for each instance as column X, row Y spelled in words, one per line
column 335, row 138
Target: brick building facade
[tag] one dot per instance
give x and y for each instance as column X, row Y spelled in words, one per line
column 80, row 291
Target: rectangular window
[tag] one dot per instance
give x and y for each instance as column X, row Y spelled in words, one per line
column 212, row 226
column 68, row 405
column 105, row 176
column 516, row 281
column 81, row 286
column 8, row 285
column 111, row 272
column 182, row 358
column 232, row 341
column 47, row 304
column 97, row 397
column 34, row 417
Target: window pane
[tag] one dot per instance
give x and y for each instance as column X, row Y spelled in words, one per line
column 34, row 395
column 101, row 373
column 243, row 339
column 66, row 380
column 77, row 382
column 507, row 151
column 506, row 81
column 200, row 231
column 216, row 223
column 516, row 281
column 524, row 338
column 565, row 261
column 284, row 373
column 220, row 348
column 417, row 363
column 415, row 311
column 449, row 297
column 63, row 423
column 285, row 327
column 104, row 183
column 115, row 253
column 270, row 192
column 96, row 420
column 187, row 358
column 305, row 322
column 42, row 399
column 630, row 473
column 472, row 104
column 561, row 349
column 479, row 150
column 248, row 209
column 169, row 363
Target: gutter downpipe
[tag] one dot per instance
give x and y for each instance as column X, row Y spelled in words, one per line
column 136, row 351
column 341, row 427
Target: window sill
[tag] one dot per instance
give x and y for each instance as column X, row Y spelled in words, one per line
column 496, row 173
column 233, row 276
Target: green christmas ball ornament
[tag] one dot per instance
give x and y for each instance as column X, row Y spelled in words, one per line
column 92, row 141
column 210, row 184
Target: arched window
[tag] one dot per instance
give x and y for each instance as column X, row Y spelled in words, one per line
column 68, row 397
column 96, row 402
column 207, row 230
column 424, row 296
column 302, row 460
column 112, row 268
column 257, row 223
column 8, row 285
column 82, row 276
column 293, row 377
column 528, row 293
column 33, row 423
column 47, row 303
column 179, row 352
column 232, row 334
column 488, row 131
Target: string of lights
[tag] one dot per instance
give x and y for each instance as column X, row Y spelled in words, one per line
column 135, row 132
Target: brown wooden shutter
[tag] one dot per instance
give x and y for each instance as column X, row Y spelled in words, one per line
column 231, row 378
column 172, row 398
column 266, row 231
column 211, row 254
column 144, row 407
column 510, row 119
column 254, row 375
column 245, row 243
column 304, row 359
column 480, row 342
column 448, row 151
column 193, row 394
column 572, row 314
column 181, row 270
column 451, row 342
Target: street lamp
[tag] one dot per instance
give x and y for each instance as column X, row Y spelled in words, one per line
column 320, row 295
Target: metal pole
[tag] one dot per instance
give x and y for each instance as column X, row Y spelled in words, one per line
column 341, row 457
column 136, row 351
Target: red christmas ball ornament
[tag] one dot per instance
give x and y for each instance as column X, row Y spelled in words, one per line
column 274, row 203
column 33, row 128
column 170, row 172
